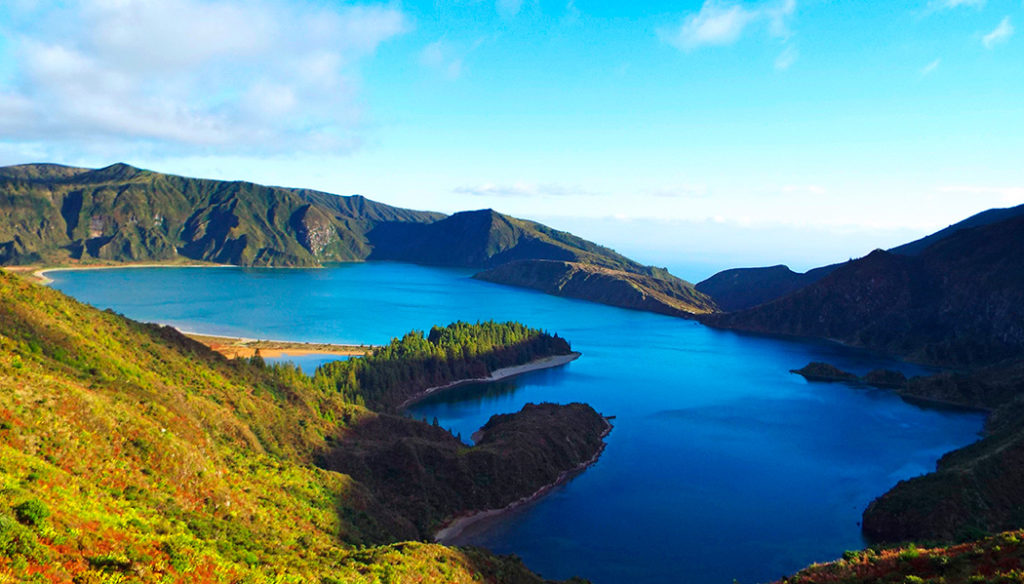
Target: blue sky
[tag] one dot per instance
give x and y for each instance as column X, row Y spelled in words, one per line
column 684, row 133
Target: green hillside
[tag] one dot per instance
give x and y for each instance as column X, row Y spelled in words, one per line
column 58, row 215
column 55, row 214
column 129, row 453
column 653, row 291
column 486, row 238
column 995, row 559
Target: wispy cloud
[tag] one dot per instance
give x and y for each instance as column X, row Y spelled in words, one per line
column 439, row 55
column 447, row 57
column 803, row 190
column 229, row 75
column 521, row 189
column 508, row 8
column 572, row 13
column 999, row 35
column 786, row 58
column 930, row 67
column 681, row 192
column 951, row 4
column 723, row 23
column 1004, row 195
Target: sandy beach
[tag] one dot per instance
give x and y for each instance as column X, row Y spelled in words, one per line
column 38, row 273
column 497, row 375
column 454, row 528
column 234, row 347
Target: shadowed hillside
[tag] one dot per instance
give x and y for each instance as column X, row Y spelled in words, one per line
column 957, row 303
column 742, row 288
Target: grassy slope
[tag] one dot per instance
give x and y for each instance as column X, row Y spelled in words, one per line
column 121, row 213
column 654, row 292
column 997, row 559
column 128, row 452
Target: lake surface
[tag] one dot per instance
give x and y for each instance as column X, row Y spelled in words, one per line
column 722, row 465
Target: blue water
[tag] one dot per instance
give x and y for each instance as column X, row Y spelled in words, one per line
column 721, row 466
column 306, row 363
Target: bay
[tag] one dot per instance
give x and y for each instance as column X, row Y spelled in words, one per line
column 722, row 465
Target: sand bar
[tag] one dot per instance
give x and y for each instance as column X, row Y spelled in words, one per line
column 234, row 347
column 40, row 273
column 497, row 375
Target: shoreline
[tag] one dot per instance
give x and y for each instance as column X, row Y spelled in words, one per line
column 40, row 273
column 453, row 528
column 496, row 375
column 235, row 347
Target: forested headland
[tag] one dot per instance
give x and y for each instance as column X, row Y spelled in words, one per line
column 408, row 365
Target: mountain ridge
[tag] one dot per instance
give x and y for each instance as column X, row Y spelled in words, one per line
column 955, row 304
column 120, row 213
column 741, row 288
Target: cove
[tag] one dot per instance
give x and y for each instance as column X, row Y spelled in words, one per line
column 721, row 465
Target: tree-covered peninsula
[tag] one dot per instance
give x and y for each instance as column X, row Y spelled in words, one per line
column 403, row 369
column 130, row 453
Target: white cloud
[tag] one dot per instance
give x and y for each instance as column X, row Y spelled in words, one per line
column 786, row 58
column 803, row 190
column 930, row 67
column 572, row 13
column 521, row 189
column 681, row 192
column 447, row 57
column 439, row 55
column 232, row 75
column 999, row 35
column 508, row 8
column 723, row 23
column 1000, row 195
column 951, row 4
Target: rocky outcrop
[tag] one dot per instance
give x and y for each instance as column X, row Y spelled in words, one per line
column 885, row 378
column 615, row 287
column 817, row 371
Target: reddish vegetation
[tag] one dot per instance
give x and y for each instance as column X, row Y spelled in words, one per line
column 998, row 558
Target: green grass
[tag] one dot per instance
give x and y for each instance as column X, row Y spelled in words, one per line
column 129, row 453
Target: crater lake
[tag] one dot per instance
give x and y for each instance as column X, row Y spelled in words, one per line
column 722, row 465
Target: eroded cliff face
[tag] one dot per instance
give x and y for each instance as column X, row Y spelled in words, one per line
column 428, row 475
column 615, row 287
